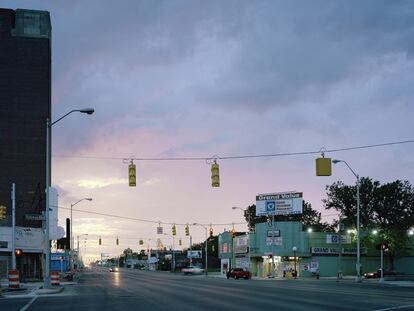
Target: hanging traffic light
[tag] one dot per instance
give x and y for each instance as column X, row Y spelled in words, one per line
column 215, row 175
column 174, row 230
column 18, row 252
column 211, row 232
column 233, row 232
column 100, row 241
column 323, row 166
column 187, row 230
column 180, row 242
column 141, row 242
column 117, row 241
column 3, row 211
column 132, row 174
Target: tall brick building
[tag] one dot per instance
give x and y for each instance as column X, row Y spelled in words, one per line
column 25, row 104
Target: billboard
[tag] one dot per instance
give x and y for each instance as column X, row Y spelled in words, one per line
column 240, row 244
column 285, row 203
column 194, row 254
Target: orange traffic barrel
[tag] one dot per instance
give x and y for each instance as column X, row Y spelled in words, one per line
column 14, row 279
column 55, row 278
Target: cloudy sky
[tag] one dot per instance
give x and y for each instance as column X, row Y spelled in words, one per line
column 221, row 78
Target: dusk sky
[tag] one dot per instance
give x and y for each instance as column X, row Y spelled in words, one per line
column 221, row 78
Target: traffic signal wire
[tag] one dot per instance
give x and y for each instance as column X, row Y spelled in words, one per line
column 235, row 157
column 144, row 220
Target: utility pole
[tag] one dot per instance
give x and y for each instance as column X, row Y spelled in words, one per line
column 273, row 242
column 13, row 198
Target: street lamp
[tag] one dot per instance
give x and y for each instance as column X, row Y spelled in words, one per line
column 294, row 249
column 205, row 228
column 173, row 252
column 358, row 265
column 46, row 242
column 71, row 232
column 248, row 229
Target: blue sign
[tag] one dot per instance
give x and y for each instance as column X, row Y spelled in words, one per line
column 270, row 207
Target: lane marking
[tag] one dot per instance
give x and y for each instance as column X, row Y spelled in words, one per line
column 395, row 308
column 28, row 304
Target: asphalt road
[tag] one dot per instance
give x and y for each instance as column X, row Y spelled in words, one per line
column 144, row 290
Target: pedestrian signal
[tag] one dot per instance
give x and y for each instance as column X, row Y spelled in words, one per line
column 187, row 230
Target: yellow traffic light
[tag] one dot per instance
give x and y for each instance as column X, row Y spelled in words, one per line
column 187, row 230
column 132, row 175
column 117, row 241
column 211, row 232
column 323, row 167
column 100, row 241
column 3, row 211
column 215, row 175
column 180, row 242
column 174, row 230
column 141, row 242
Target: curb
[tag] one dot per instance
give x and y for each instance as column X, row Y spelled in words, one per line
column 46, row 291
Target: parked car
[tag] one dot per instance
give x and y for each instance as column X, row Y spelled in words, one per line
column 192, row 270
column 239, row 273
column 113, row 269
column 377, row 274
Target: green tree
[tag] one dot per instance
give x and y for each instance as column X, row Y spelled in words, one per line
column 310, row 218
column 389, row 208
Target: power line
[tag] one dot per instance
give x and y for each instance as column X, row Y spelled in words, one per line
column 248, row 156
column 145, row 220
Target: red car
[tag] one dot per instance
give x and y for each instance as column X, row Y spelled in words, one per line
column 239, row 273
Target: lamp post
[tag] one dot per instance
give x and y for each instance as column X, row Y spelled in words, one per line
column 248, row 231
column 358, row 264
column 205, row 228
column 173, row 251
column 81, row 235
column 71, row 231
column 294, row 249
column 46, row 242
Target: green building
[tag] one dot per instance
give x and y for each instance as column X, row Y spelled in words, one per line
column 308, row 253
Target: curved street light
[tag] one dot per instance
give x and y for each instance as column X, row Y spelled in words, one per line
column 205, row 227
column 71, row 242
column 358, row 265
column 46, row 241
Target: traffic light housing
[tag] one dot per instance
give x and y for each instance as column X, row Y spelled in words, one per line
column 187, row 230
column 132, row 176
column 211, row 232
column 174, row 230
column 215, row 174
column 117, row 241
column 18, row 252
column 180, row 242
column 100, row 241
column 323, row 167
column 3, row 211
column 141, row 242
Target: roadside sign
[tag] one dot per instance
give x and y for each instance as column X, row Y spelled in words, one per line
column 34, row 217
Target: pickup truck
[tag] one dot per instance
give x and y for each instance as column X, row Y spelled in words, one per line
column 239, row 273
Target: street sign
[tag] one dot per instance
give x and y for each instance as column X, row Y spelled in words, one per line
column 34, row 217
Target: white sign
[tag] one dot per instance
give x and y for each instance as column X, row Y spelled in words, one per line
column 159, row 230
column 240, row 244
column 314, row 266
column 279, row 203
column 324, row 250
column 276, row 233
column 29, row 239
column 242, row 262
column 334, row 239
column 276, row 241
column 194, row 254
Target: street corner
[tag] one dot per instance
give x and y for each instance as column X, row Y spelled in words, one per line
column 48, row 291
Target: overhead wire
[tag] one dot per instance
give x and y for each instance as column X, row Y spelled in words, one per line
column 235, row 157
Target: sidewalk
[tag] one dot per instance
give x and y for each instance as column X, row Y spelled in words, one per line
column 32, row 289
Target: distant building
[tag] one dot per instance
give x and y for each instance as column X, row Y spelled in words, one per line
column 25, row 104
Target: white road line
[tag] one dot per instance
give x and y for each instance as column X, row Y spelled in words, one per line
column 396, row 308
column 28, row 304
